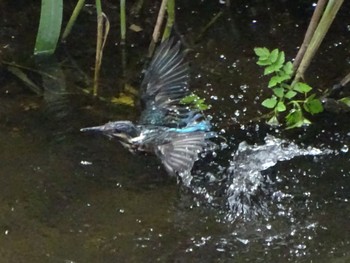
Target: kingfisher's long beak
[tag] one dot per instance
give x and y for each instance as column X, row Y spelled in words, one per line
column 101, row 128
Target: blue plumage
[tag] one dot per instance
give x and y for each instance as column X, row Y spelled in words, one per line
column 167, row 128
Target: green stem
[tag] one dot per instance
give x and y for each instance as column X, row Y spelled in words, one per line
column 98, row 57
column 72, row 19
column 98, row 8
column 122, row 21
column 170, row 20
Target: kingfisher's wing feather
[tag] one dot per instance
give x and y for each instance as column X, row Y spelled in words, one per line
column 179, row 155
column 165, row 83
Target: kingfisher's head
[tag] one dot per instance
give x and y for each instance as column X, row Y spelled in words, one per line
column 124, row 131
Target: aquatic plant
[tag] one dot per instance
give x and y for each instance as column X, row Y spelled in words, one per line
column 293, row 98
column 49, row 27
column 195, row 102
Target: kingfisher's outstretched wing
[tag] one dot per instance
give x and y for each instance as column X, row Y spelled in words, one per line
column 180, row 153
column 165, row 83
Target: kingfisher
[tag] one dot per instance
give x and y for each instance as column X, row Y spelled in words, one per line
column 174, row 132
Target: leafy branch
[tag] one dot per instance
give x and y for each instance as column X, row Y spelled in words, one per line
column 293, row 98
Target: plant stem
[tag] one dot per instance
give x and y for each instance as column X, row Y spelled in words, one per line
column 156, row 31
column 345, row 80
column 309, row 32
column 102, row 32
column 170, row 20
column 72, row 19
column 211, row 22
column 122, row 21
column 320, row 32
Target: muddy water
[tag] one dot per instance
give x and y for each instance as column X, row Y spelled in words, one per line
column 67, row 197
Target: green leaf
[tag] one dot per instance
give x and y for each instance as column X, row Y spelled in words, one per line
column 189, row 99
column 277, row 79
column 269, row 103
column 301, row 87
column 288, row 68
column 49, row 27
column 262, row 52
column 273, row 81
column 313, row 106
column 195, row 102
column 280, row 61
column 273, row 121
column 263, row 62
column 200, row 104
column 279, row 92
column 294, row 119
column 284, row 76
column 345, row 100
column 268, row 70
column 290, row 94
column 273, row 55
column 276, row 66
column 280, row 106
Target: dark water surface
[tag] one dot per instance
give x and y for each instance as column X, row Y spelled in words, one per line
column 68, row 197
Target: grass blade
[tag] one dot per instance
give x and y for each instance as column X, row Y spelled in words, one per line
column 49, row 27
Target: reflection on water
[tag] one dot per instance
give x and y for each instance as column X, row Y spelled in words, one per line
column 66, row 197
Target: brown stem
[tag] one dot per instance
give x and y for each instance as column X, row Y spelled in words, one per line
column 310, row 31
column 322, row 28
column 345, row 80
column 156, row 31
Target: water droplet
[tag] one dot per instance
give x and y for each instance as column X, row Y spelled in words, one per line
column 85, row 163
column 344, row 149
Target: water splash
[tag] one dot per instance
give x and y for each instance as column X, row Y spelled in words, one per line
column 248, row 187
column 248, row 191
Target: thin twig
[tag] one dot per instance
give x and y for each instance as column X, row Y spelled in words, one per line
column 211, row 22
